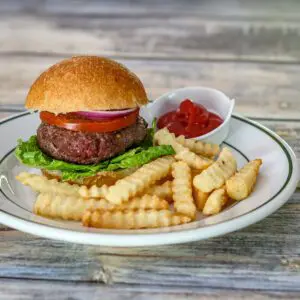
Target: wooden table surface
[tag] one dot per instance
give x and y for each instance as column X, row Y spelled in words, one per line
column 248, row 49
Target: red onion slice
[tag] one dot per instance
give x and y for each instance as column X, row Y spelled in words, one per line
column 105, row 114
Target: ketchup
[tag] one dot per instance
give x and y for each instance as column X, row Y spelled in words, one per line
column 190, row 120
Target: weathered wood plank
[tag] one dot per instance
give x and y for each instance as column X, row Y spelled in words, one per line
column 29, row 289
column 176, row 37
column 263, row 256
column 260, row 89
column 230, row 8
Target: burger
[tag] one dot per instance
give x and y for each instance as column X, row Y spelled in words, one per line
column 90, row 131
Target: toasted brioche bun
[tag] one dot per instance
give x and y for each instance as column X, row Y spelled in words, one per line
column 86, row 83
column 106, row 177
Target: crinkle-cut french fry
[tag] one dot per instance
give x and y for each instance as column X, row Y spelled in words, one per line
column 135, row 183
column 144, row 202
column 66, row 207
column 215, row 175
column 200, row 198
column 240, row 185
column 42, row 184
column 182, row 189
column 132, row 219
column 215, row 202
column 93, row 192
column 72, row 208
column 199, row 147
column 164, row 137
column 163, row 191
column 193, row 160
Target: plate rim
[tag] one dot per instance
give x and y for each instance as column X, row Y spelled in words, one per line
column 164, row 238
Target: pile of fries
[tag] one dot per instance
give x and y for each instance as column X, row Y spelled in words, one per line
column 165, row 192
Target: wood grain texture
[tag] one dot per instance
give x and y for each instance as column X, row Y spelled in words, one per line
column 266, row 9
column 26, row 289
column 173, row 36
column 260, row 89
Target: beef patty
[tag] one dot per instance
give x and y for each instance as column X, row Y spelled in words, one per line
column 88, row 148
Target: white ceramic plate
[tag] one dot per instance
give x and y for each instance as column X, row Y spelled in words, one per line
column 248, row 140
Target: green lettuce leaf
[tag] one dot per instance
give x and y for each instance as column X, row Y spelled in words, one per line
column 29, row 153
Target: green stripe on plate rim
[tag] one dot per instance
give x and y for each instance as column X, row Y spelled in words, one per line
column 249, row 122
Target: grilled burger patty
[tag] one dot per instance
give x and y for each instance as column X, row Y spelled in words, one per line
column 88, row 148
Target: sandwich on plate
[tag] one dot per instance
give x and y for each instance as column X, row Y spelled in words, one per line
column 91, row 131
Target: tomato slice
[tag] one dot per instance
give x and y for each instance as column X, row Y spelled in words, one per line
column 72, row 121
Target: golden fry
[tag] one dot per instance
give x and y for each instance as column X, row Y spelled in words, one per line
column 137, row 182
column 144, row 202
column 199, row 147
column 72, row 208
column 200, row 198
column 216, row 175
column 182, row 189
column 163, row 191
column 66, row 207
column 42, row 184
column 215, row 202
column 193, row 160
column 132, row 219
column 164, row 137
column 241, row 184
column 93, row 192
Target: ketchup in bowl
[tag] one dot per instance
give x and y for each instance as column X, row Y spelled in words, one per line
column 190, row 120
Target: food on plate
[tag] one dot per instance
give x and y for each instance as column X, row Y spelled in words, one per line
column 100, row 179
column 165, row 137
column 215, row 202
column 199, row 147
column 132, row 219
column 193, row 160
column 154, row 192
column 141, row 179
column 200, row 198
column 163, row 191
column 55, row 205
column 215, row 175
column 84, row 147
column 93, row 192
column 72, row 208
column 90, row 124
column 133, row 184
column 103, row 166
column 241, row 184
column 190, row 120
column 144, row 202
column 43, row 185
column 182, row 189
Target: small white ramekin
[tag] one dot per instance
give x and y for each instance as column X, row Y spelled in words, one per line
column 214, row 100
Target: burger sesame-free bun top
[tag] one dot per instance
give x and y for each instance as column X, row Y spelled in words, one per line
column 86, row 83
